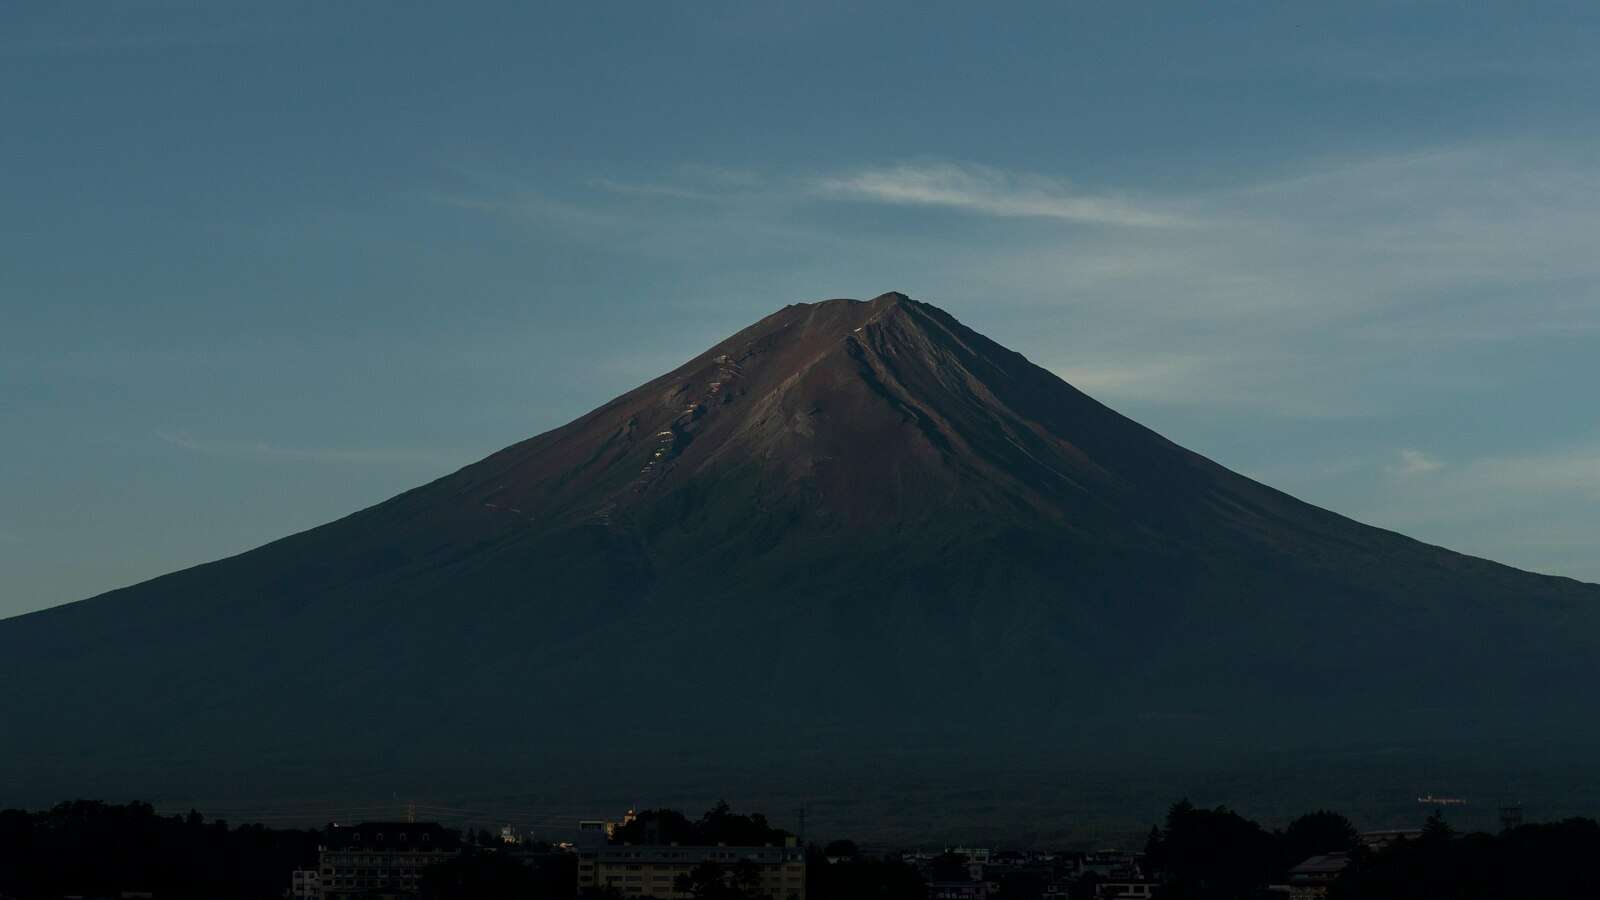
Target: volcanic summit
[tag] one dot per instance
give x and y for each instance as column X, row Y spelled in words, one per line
column 851, row 528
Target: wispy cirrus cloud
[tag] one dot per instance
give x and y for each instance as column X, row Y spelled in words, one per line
column 1329, row 272
column 1411, row 462
column 1573, row 472
column 1535, row 510
column 983, row 190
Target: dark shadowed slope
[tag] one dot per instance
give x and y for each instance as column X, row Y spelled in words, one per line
column 850, row 528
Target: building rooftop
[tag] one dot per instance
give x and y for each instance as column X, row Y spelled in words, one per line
column 656, row 853
column 1318, row 867
column 393, row 836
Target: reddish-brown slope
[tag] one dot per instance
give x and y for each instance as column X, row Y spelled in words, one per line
column 845, row 502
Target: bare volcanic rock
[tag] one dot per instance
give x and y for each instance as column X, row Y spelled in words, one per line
column 853, row 528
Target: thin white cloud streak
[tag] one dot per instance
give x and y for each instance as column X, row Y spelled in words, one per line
column 1174, row 378
column 991, row 192
column 1571, row 472
column 1534, row 510
column 1376, row 290
column 1493, row 487
column 1574, row 473
column 1329, row 276
column 1129, row 377
column 739, row 218
column 1411, row 463
column 261, row 451
column 1329, row 280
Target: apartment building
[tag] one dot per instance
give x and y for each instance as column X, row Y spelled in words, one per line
column 380, row 860
column 652, row 871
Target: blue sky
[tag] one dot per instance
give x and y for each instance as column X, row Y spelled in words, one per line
column 267, row 264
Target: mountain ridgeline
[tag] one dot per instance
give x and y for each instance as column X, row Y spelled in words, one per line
column 853, row 528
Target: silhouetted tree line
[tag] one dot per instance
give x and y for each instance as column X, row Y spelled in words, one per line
column 1216, row 854
column 1212, row 854
column 719, row 825
column 1550, row 861
column 94, row 849
column 99, row 849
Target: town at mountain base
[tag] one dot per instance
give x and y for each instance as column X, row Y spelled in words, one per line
column 852, row 532
column 100, row 851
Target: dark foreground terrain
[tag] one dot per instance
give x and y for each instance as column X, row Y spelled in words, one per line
column 94, row 850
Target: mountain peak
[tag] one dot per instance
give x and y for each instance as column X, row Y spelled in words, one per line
column 876, row 304
column 846, row 501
